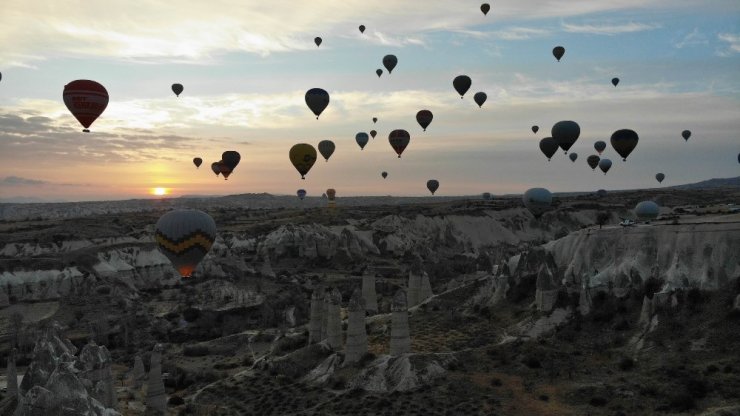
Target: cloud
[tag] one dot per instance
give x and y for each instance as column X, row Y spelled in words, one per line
column 609, row 29
column 732, row 46
column 692, row 38
column 16, row 181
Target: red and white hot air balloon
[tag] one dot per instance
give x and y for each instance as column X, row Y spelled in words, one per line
column 86, row 100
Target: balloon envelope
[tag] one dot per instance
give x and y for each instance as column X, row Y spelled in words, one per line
column 362, row 28
column 647, row 210
column 301, row 194
column 558, row 52
column 86, row 100
column 375, row 120
column 605, row 165
column 185, row 236
column 432, row 185
column 373, row 133
column 537, row 200
column 566, row 133
column 390, row 62
column 624, row 142
column 535, row 129
column 600, row 146
column 462, row 84
column 197, row 162
column 399, row 139
column 317, row 100
column 224, row 169
column 384, row 174
column 424, row 118
column 487, row 196
column 379, row 72
column 480, row 98
column 485, row 7
column 231, row 158
column 317, row 40
column 302, row 156
column 573, row 156
column 216, row 168
column 593, row 161
column 177, row 89
column 615, row 81
column 659, row 177
column 362, row 138
column 326, row 148
column 686, row 134
column 548, row 146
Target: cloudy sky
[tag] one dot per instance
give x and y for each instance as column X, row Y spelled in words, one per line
column 247, row 64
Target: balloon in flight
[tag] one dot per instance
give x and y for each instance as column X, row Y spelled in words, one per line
column 231, row 158
column 326, row 148
column 362, row 28
column 548, row 146
column 624, row 142
column 185, row 236
column 399, row 139
column 302, row 156
column 197, row 162
column 317, row 40
column 686, row 134
column 362, row 138
column 593, row 161
column 558, row 52
column 480, row 98
column 177, row 89
column 432, row 185
column 535, row 129
column 216, row 168
column 462, row 84
column 573, row 157
column 373, row 133
column 566, row 133
column 615, row 81
column 537, row 200
column 317, row 100
column 605, row 165
column 424, row 118
column 375, row 120
column 301, row 194
column 86, row 100
column 600, row 146
column 390, row 62
column 485, row 8
column 659, row 177
column 379, row 72
column 224, row 169
column 384, row 174
column 647, row 210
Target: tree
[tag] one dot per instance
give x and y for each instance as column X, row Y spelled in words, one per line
column 602, row 217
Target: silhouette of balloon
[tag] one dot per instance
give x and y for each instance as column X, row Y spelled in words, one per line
column 573, row 157
column 615, row 81
column 566, row 133
column 373, row 133
column 302, row 156
column 480, row 98
column 379, row 72
column 399, row 139
column 390, row 62
column 197, row 162
column 317, row 100
column 362, row 138
column 593, row 161
column 326, row 148
column 686, row 134
column 485, row 7
column 624, row 142
column 424, row 118
column 600, row 146
column 558, row 52
column 462, row 84
column 362, row 28
column 432, row 185
column 605, row 165
column 548, row 146
column 659, row 177
column 375, row 120
column 535, row 129
column 537, row 201
column 384, row 174
column 86, row 100
column 216, row 168
column 301, row 194
column 317, row 40
column 177, row 89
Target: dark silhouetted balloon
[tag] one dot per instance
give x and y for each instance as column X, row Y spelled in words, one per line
column 331, row 194
column 558, row 52
column 624, row 142
column 302, row 156
column 373, row 133
column 317, row 100
column 375, row 120
column 177, row 89
column 537, row 200
column 600, row 146
column 601, row 193
column 605, row 165
column 224, row 169
column 486, row 196
column 326, row 148
column 86, row 100
column 301, row 193
column 317, row 40
column 362, row 28
column 593, row 161
column 390, row 62
column 216, row 168
column 362, row 138
column 548, row 146
column 573, row 157
column 480, row 98
column 485, row 7
column 686, row 134
column 399, row 139
column 424, row 118
column 647, row 210
column 659, row 177
column 462, row 84
column 615, row 81
column 197, row 162
column 185, row 236
column 566, row 133
column 384, row 174
column 379, row 72
column 432, row 185
column 231, row 158
column 535, row 129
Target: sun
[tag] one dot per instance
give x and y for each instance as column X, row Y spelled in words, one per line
column 160, row 191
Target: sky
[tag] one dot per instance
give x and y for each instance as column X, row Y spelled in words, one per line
column 246, row 65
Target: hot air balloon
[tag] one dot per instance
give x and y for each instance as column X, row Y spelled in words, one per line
column 362, row 28
column 647, row 210
column 659, row 177
column 738, row 158
column 302, row 156
column 224, row 169
column 624, row 141
column 384, row 174
column 331, row 194
column 317, row 40
column 379, row 72
column 480, row 98
column 566, row 133
column 1, row 76
column 485, row 7
column 185, row 236
column 231, row 158
column 600, row 146
column 462, row 84
column 301, row 193
column 197, row 162
column 390, row 62
column 216, row 168
column 535, row 129
column 317, row 100
column 548, row 146
column 486, row 196
column 601, row 193
column 326, row 148
column 86, row 100
column 573, row 157
column 177, row 89
column 424, row 118
column 605, row 165
column 375, row 120
column 373, row 133
column 537, row 200
column 615, row 81
column 593, row 161
column 686, row 134
column 399, row 139
column 432, row 185
column 558, row 52
column 362, row 138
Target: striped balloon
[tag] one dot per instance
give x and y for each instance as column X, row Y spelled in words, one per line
column 185, row 236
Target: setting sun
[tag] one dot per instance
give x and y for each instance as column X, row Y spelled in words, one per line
column 160, row 191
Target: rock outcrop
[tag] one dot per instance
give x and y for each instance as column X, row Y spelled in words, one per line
column 403, row 373
column 96, row 367
column 12, row 375
column 316, row 315
column 368, row 291
column 356, row 332
column 156, row 398
column 334, row 320
column 546, row 294
column 139, row 374
column 400, row 336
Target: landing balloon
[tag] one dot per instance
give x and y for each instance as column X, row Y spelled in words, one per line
column 480, row 98
column 86, row 100
column 624, row 142
column 538, row 201
column 558, row 52
column 399, row 139
column 317, row 100
column 432, row 185
column 424, row 118
column 301, row 194
column 593, row 161
column 647, row 210
column 600, row 146
column 566, row 133
column 548, row 146
column 390, row 62
column 302, row 156
column 362, row 138
column 177, row 89
column 605, row 165
column 462, row 84
column 185, row 236
column 197, row 162
column 326, row 148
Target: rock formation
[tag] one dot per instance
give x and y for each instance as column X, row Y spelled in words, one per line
column 12, row 375
column 356, row 333
column 414, row 287
column 334, row 320
column 50, row 350
column 139, row 374
column 266, row 269
column 317, row 315
column 325, row 314
column 156, row 398
column 425, row 291
column 547, row 291
column 646, row 313
column 736, row 305
column 96, row 367
column 584, row 299
column 368, row 291
column 404, row 373
column 400, row 338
